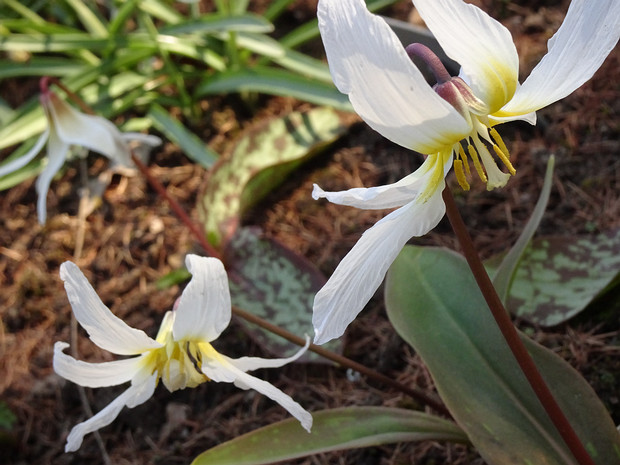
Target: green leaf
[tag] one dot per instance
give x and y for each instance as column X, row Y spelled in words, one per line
column 272, row 282
column 274, row 82
column 260, row 161
column 189, row 143
column 88, row 18
column 31, row 170
column 336, row 429
column 504, row 274
column 558, row 277
column 434, row 304
column 40, row 66
column 214, row 23
column 7, row 417
column 173, row 278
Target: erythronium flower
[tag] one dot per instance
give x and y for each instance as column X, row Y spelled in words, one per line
column 66, row 127
column 450, row 122
column 181, row 355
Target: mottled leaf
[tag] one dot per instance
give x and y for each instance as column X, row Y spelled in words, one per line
column 558, row 277
column 260, row 161
column 336, row 429
column 270, row 281
column 433, row 302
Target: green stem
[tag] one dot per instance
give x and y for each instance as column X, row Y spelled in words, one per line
column 502, row 318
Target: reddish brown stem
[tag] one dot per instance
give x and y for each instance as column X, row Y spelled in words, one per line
column 178, row 210
column 502, row 318
column 343, row 361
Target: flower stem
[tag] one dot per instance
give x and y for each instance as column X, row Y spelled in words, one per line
column 502, row 318
column 343, row 361
column 178, row 210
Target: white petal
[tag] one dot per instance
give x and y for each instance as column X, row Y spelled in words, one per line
column 104, row 328
column 589, row 32
column 368, row 62
column 90, row 131
column 481, row 45
column 16, row 164
column 56, row 153
column 361, row 272
column 221, row 369
column 254, row 363
column 145, row 139
column 388, row 196
column 204, row 307
column 136, row 394
column 94, row 375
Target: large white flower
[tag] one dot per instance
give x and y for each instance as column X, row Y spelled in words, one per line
column 181, row 355
column 66, row 127
column 451, row 122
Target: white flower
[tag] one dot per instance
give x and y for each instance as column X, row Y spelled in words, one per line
column 181, row 355
column 66, row 127
column 450, row 122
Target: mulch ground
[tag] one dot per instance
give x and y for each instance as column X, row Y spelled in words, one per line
column 131, row 239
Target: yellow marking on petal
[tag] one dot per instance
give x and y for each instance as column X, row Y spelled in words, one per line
column 499, row 141
column 460, row 175
column 435, row 178
column 474, row 157
column 502, row 156
column 464, row 158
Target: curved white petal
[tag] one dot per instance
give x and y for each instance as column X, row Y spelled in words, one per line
column 589, row 32
column 254, row 363
column 56, row 153
column 16, row 164
column 94, row 375
column 388, row 196
column 204, row 307
column 146, row 139
column 135, row 395
column 368, row 62
column 94, row 132
column 104, row 328
column 361, row 272
column 221, row 369
column 481, row 45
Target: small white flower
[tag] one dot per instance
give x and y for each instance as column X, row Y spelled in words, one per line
column 451, row 122
column 66, row 127
column 181, row 355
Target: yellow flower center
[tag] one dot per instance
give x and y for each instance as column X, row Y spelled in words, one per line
column 177, row 363
column 483, row 135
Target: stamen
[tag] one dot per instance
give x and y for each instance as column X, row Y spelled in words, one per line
column 460, row 175
column 464, row 158
column 496, row 178
column 500, row 142
column 474, row 157
column 502, row 156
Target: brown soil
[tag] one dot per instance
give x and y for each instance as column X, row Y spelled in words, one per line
column 132, row 239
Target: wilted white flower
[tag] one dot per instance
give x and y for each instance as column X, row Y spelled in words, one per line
column 452, row 122
column 181, row 355
column 66, row 127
